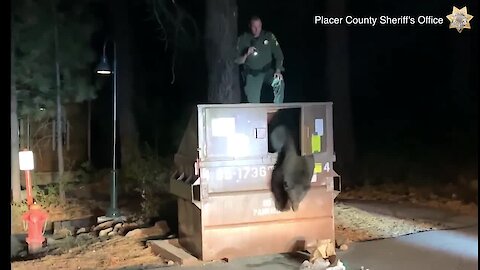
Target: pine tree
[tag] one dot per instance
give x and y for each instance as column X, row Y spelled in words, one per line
column 37, row 53
column 14, row 138
column 34, row 26
column 221, row 37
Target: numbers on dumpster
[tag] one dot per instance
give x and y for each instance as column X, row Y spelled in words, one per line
column 263, row 171
column 254, row 172
column 242, row 172
column 326, row 167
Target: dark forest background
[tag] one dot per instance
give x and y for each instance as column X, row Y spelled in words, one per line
column 413, row 89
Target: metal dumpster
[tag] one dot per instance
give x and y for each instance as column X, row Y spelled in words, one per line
column 222, row 181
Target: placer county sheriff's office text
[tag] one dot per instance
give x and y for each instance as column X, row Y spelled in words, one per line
column 381, row 20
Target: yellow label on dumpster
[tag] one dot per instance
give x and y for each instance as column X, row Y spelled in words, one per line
column 317, row 168
column 316, row 143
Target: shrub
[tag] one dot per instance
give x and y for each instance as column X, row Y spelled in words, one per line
column 149, row 176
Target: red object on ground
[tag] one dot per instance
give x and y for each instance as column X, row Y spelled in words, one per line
column 36, row 219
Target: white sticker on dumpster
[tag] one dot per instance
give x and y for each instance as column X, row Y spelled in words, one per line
column 319, row 127
column 223, row 126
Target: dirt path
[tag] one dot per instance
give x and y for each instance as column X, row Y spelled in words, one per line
column 115, row 253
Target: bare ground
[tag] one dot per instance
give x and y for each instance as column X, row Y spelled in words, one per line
column 115, row 253
column 352, row 224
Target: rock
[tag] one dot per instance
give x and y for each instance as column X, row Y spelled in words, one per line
column 105, row 232
column 104, row 225
column 140, row 221
column 343, row 247
column 112, row 233
column 134, row 233
column 154, row 231
column 162, row 224
column 62, row 233
column 117, row 227
column 126, row 227
column 23, row 253
column 82, row 230
column 50, row 240
column 170, row 262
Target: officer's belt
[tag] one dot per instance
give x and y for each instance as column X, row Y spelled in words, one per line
column 255, row 72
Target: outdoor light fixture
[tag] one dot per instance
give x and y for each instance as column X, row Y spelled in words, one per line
column 103, row 68
column 25, row 159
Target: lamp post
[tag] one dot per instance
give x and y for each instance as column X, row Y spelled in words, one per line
column 103, row 68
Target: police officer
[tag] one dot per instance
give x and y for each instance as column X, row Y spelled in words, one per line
column 262, row 60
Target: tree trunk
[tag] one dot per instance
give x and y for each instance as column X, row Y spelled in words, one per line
column 338, row 89
column 15, row 169
column 127, row 127
column 221, row 38
column 89, row 133
column 59, row 122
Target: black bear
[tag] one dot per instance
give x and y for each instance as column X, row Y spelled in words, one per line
column 292, row 173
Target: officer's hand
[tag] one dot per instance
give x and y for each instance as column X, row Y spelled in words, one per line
column 251, row 50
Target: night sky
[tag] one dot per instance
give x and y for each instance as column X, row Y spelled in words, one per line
column 413, row 88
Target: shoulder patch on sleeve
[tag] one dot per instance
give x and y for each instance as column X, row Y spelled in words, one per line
column 274, row 38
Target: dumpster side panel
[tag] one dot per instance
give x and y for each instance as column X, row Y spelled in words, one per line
column 265, row 237
column 190, row 227
column 236, row 208
column 188, row 145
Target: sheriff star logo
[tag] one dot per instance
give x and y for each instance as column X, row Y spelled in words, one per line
column 459, row 19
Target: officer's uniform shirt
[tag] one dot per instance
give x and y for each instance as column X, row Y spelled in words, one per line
column 266, row 45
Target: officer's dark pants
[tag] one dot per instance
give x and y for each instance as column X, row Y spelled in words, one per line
column 254, row 83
